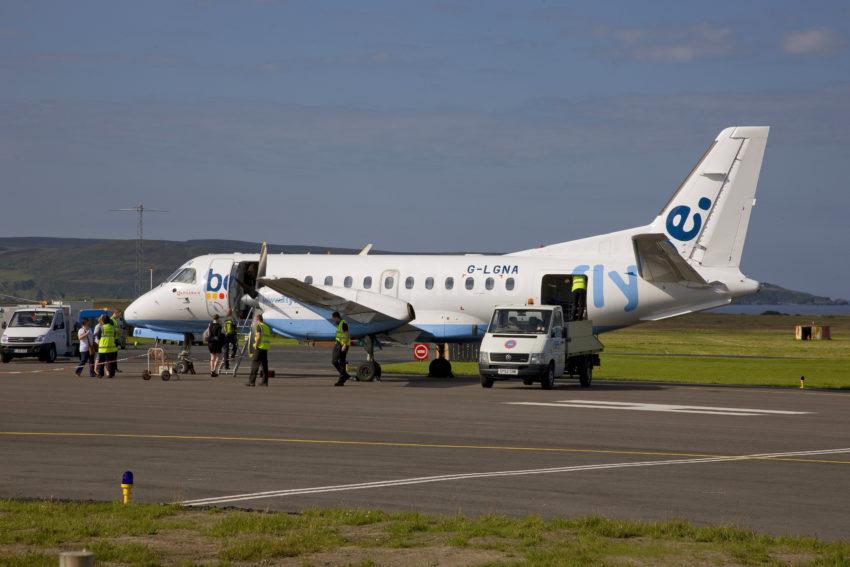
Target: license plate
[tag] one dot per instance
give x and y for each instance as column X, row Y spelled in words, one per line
column 509, row 371
column 21, row 350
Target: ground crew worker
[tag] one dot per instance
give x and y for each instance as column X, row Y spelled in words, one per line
column 342, row 342
column 119, row 334
column 262, row 341
column 107, row 349
column 230, row 342
column 579, row 289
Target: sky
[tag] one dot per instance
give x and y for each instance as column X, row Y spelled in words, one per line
column 422, row 126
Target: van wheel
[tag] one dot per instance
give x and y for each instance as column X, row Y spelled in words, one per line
column 50, row 357
column 585, row 373
column 486, row 382
column 547, row 381
column 6, row 358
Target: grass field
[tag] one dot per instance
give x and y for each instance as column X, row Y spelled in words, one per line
column 32, row 533
column 715, row 349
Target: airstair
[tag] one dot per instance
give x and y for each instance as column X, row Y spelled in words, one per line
column 243, row 343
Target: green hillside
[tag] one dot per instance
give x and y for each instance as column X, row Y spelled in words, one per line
column 42, row 268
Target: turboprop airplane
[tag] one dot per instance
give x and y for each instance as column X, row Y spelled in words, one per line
column 687, row 259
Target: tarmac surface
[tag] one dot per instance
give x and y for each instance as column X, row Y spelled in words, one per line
column 773, row 460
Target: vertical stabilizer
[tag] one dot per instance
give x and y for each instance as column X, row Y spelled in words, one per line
column 707, row 217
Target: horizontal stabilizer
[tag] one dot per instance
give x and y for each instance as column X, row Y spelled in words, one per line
column 357, row 305
column 659, row 262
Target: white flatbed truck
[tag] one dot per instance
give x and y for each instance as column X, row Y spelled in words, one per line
column 44, row 331
column 535, row 344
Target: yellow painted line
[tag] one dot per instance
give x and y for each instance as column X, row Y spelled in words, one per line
column 398, row 444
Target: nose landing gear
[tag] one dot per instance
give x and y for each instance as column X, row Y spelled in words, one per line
column 369, row 370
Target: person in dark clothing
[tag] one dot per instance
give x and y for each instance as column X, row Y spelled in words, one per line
column 215, row 341
column 231, row 342
column 342, row 342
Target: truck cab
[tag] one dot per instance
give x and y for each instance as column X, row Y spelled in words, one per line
column 44, row 331
column 535, row 344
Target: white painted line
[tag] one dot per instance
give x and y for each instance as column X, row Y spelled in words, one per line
column 670, row 408
column 467, row 476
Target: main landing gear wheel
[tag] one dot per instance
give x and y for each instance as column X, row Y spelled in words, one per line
column 486, row 382
column 547, row 381
column 585, row 373
column 440, row 368
column 368, row 371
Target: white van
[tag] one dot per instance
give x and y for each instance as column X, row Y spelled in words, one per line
column 44, row 331
column 534, row 343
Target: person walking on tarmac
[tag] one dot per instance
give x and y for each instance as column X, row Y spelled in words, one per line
column 579, row 289
column 107, row 349
column 119, row 334
column 262, row 341
column 86, row 350
column 342, row 342
column 215, row 341
column 230, row 342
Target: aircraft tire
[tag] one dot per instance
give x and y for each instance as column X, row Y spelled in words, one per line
column 368, row 371
column 547, row 381
column 440, row 368
column 585, row 373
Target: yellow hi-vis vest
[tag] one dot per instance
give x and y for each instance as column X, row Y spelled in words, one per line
column 229, row 328
column 262, row 342
column 579, row 282
column 342, row 337
column 107, row 339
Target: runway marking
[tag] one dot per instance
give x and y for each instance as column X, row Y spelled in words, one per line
column 397, row 444
column 670, row 408
column 509, row 473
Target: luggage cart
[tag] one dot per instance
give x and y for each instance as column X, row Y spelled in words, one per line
column 157, row 362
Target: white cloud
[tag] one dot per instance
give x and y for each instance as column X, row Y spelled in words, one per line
column 813, row 41
column 701, row 41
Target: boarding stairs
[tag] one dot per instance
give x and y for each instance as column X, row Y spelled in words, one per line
column 243, row 343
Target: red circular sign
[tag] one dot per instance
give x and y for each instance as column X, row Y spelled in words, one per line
column 420, row 351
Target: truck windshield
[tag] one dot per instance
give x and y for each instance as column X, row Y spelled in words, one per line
column 31, row 319
column 521, row 321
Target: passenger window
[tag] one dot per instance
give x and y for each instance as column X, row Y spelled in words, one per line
column 429, row 283
column 367, row 282
column 408, row 283
column 389, row 282
column 509, row 284
column 450, row 283
column 469, row 283
column 308, row 280
column 329, row 280
column 348, row 281
column 489, row 283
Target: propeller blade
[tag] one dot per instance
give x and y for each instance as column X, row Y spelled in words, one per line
column 264, row 258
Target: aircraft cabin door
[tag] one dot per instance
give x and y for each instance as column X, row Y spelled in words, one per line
column 217, row 287
column 389, row 283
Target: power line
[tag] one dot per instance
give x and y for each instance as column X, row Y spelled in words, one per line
column 140, row 237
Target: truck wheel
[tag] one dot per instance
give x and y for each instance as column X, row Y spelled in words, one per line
column 50, row 357
column 547, row 381
column 486, row 382
column 585, row 374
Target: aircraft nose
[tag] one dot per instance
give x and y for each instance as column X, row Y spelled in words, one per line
column 140, row 311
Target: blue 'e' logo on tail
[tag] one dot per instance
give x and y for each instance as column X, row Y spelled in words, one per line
column 679, row 216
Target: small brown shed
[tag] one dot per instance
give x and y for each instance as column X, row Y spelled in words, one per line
column 812, row 332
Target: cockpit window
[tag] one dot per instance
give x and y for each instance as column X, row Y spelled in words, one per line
column 186, row 275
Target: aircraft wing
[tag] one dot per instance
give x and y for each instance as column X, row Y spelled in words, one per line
column 659, row 261
column 356, row 305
